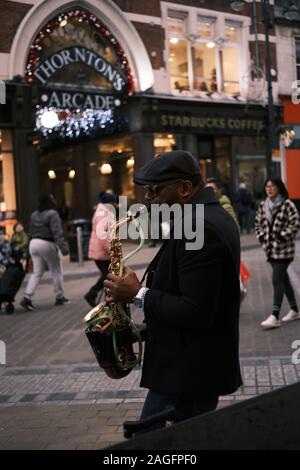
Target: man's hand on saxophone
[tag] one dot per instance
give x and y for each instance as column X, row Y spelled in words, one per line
column 122, row 289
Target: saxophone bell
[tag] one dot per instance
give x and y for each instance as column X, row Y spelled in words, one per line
column 110, row 330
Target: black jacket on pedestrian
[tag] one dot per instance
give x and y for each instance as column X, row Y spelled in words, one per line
column 192, row 310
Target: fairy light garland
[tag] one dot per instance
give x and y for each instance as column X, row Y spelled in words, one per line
column 81, row 16
column 72, row 124
column 80, row 123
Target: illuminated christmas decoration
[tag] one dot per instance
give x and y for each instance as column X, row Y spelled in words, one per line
column 80, row 16
column 49, row 119
column 79, row 123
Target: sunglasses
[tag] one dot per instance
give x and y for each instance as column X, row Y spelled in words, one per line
column 154, row 189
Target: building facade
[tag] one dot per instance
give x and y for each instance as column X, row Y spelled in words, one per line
column 288, row 56
column 95, row 88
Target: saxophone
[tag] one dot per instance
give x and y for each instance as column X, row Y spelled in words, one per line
column 110, row 330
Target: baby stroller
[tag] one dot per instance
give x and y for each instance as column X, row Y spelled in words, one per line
column 10, row 283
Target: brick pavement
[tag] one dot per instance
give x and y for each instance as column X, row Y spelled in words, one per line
column 54, row 396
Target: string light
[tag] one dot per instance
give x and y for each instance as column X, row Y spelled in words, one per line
column 81, row 16
column 72, row 124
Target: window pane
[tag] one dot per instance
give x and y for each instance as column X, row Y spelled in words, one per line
column 297, row 41
column 176, row 26
column 232, row 30
column 204, row 68
column 298, row 72
column 163, row 142
column 230, row 70
column 176, row 22
column 178, row 61
column 206, row 26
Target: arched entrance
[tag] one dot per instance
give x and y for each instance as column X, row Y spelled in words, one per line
column 83, row 69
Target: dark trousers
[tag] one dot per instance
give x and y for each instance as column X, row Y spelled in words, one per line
column 103, row 267
column 281, row 285
column 186, row 406
column 245, row 222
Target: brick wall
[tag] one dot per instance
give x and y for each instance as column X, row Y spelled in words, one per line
column 153, row 38
column 152, row 7
column 146, row 7
column 12, row 14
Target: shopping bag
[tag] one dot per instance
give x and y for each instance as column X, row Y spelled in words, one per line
column 244, row 273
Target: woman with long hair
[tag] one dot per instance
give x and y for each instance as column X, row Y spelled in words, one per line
column 276, row 226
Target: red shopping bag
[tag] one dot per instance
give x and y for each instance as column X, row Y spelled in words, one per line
column 244, row 273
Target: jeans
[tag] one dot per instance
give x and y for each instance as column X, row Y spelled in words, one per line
column 45, row 255
column 281, row 285
column 186, row 406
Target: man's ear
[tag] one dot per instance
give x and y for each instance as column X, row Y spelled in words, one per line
column 186, row 189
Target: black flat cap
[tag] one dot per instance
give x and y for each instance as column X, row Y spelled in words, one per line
column 167, row 166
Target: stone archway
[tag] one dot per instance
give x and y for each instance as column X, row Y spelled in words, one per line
column 112, row 17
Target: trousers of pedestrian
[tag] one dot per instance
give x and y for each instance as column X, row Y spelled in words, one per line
column 103, row 266
column 282, row 285
column 45, row 255
column 186, row 406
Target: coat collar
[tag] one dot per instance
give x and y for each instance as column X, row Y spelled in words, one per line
column 204, row 196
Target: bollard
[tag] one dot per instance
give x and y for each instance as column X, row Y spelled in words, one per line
column 79, row 245
column 2, row 92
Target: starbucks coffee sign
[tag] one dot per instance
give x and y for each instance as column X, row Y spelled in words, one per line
column 79, row 55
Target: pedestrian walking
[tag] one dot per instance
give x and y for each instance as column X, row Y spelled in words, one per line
column 98, row 245
column 226, row 204
column 46, row 247
column 244, row 204
column 223, row 199
column 191, row 298
column 276, row 226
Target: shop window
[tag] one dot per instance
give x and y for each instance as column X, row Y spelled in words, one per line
column 179, row 64
column 230, row 70
column 297, row 44
column 204, row 68
column 203, row 58
column 7, row 183
column 163, row 143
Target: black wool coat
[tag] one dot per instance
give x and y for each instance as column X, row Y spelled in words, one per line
column 192, row 310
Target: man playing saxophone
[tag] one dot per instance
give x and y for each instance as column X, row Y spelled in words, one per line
column 191, row 297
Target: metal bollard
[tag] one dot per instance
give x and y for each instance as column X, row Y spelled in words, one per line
column 79, row 245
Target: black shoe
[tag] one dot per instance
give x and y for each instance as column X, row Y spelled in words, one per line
column 91, row 299
column 27, row 304
column 61, row 301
